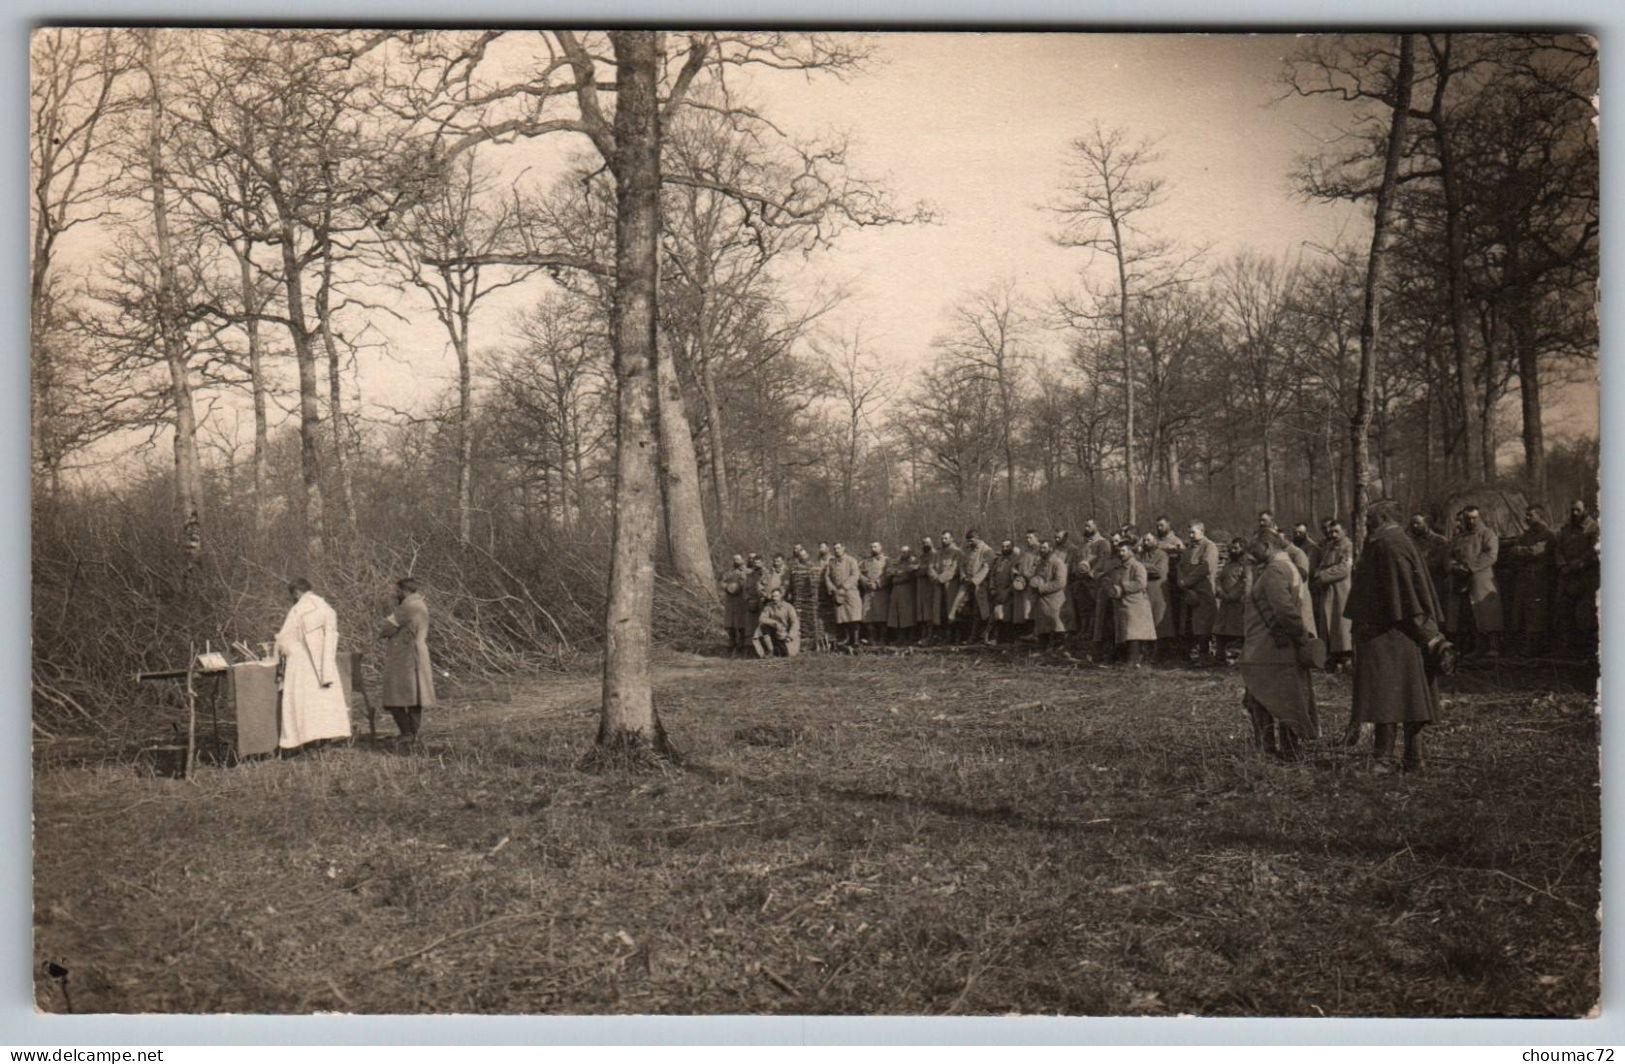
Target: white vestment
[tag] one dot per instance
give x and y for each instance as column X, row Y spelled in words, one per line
column 308, row 645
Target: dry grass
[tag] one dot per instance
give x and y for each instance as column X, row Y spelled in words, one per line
column 923, row 834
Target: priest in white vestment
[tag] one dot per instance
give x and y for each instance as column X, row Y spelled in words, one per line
column 313, row 705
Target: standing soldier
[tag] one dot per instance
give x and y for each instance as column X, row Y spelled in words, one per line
column 945, row 585
column 925, row 592
column 1155, row 560
column 1473, row 553
column 1098, row 556
column 1234, row 585
column 900, row 578
column 978, row 605
column 1333, row 575
column 841, row 578
column 1103, row 632
column 1534, row 558
column 1275, row 659
column 776, row 576
column 735, row 610
column 1198, row 575
column 408, row 672
column 1311, row 551
column 1435, row 552
column 1024, row 600
column 1396, row 639
column 1127, row 589
column 1050, row 585
column 806, row 584
column 755, row 593
column 1578, row 576
column 1001, row 591
column 826, row 598
column 1174, row 547
column 1061, row 544
column 872, row 583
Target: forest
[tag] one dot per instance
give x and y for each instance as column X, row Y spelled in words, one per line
column 224, row 224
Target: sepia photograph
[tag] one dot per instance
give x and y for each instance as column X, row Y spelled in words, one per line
column 715, row 523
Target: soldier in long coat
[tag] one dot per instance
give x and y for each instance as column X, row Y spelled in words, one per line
column 1001, row 591
column 1578, row 576
column 925, row 591
column 1103, row 626
column 1128, row 589
column 901, row 575
column 1098, row 556
column 806, row 586
column 313, row 705
column 876, row 591
column 1060, row 542
column 735, row 610
column 841, row 577
column 1311, row 549
column 1155, row 560
column 1435, row 551
column 1472, row 554
column 826, row 598
column 1198, row 575
column 977, row 609
column 1395, row 614
column 1050, row 585
column 1234, row 585
column 1279, row 619
column 1171, row 626
column 778, row 628
column 1534, row 560
column 408, row 672
column 945, row 584
column 1333, row 574
column 1024, row 599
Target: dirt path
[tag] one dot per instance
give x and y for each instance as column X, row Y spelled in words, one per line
column 577, row 695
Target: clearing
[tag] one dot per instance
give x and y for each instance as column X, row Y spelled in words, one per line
column 924, row 833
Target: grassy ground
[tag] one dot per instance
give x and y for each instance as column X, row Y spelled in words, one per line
column 921, row 834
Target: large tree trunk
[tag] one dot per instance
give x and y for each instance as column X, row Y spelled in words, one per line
column 188, row 468
column 335, row 394
column 714, row 443
column 685, row 511
column 310, row 411
column 628, row 716
column 1376, row 272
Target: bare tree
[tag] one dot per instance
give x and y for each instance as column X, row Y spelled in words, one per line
column 81, row 85
column 1258, row 298
column 985, row 342
column 859, row 383
column 1104, row 200
column 1371, row 307
column 436, row 245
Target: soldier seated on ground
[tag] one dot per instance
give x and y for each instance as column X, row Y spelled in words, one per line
column 778, row 629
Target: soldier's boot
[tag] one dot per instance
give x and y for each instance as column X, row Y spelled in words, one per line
column 1413, row 747
column 1263, row 728
column 1382, row 746
column 1291, row 747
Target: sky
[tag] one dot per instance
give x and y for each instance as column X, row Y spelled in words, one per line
column 978, row 127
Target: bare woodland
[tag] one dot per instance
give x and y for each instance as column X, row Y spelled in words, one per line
column 215, row 214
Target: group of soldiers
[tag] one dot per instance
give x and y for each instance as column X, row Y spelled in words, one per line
column 1278, row 606
column 1136, row 598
